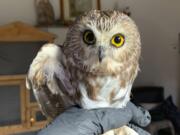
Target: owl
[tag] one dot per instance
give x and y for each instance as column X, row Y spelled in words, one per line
column 94, row 68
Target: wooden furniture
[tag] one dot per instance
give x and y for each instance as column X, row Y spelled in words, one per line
column 20, row 32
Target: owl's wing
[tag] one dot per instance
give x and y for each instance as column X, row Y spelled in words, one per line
column 50, row 80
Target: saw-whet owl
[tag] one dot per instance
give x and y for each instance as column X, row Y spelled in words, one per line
column 95, row 67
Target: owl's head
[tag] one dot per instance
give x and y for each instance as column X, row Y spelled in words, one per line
column 103, row 42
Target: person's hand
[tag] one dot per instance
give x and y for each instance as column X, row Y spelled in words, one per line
column 77, row 121
column 141, row 117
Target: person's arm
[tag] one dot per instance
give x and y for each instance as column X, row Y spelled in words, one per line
column 77, row 121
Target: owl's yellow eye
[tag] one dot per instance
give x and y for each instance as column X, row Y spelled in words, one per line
column 88, row 37
column 118, row 40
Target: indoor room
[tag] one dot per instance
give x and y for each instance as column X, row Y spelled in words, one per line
column 90, row 55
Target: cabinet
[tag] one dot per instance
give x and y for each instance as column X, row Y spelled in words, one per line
column 19, row 111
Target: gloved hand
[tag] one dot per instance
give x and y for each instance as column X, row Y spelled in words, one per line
column 141, row 118
column 78, row 121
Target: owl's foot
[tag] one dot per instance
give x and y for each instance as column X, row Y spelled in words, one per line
column 125, row 130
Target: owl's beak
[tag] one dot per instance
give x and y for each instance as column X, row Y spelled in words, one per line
column 101, row 53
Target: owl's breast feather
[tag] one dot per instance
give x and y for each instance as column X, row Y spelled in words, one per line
column 108, row 93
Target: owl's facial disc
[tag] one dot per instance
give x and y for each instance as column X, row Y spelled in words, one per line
column 103, row 43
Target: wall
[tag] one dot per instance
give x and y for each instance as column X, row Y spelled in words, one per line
column 159, row 23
